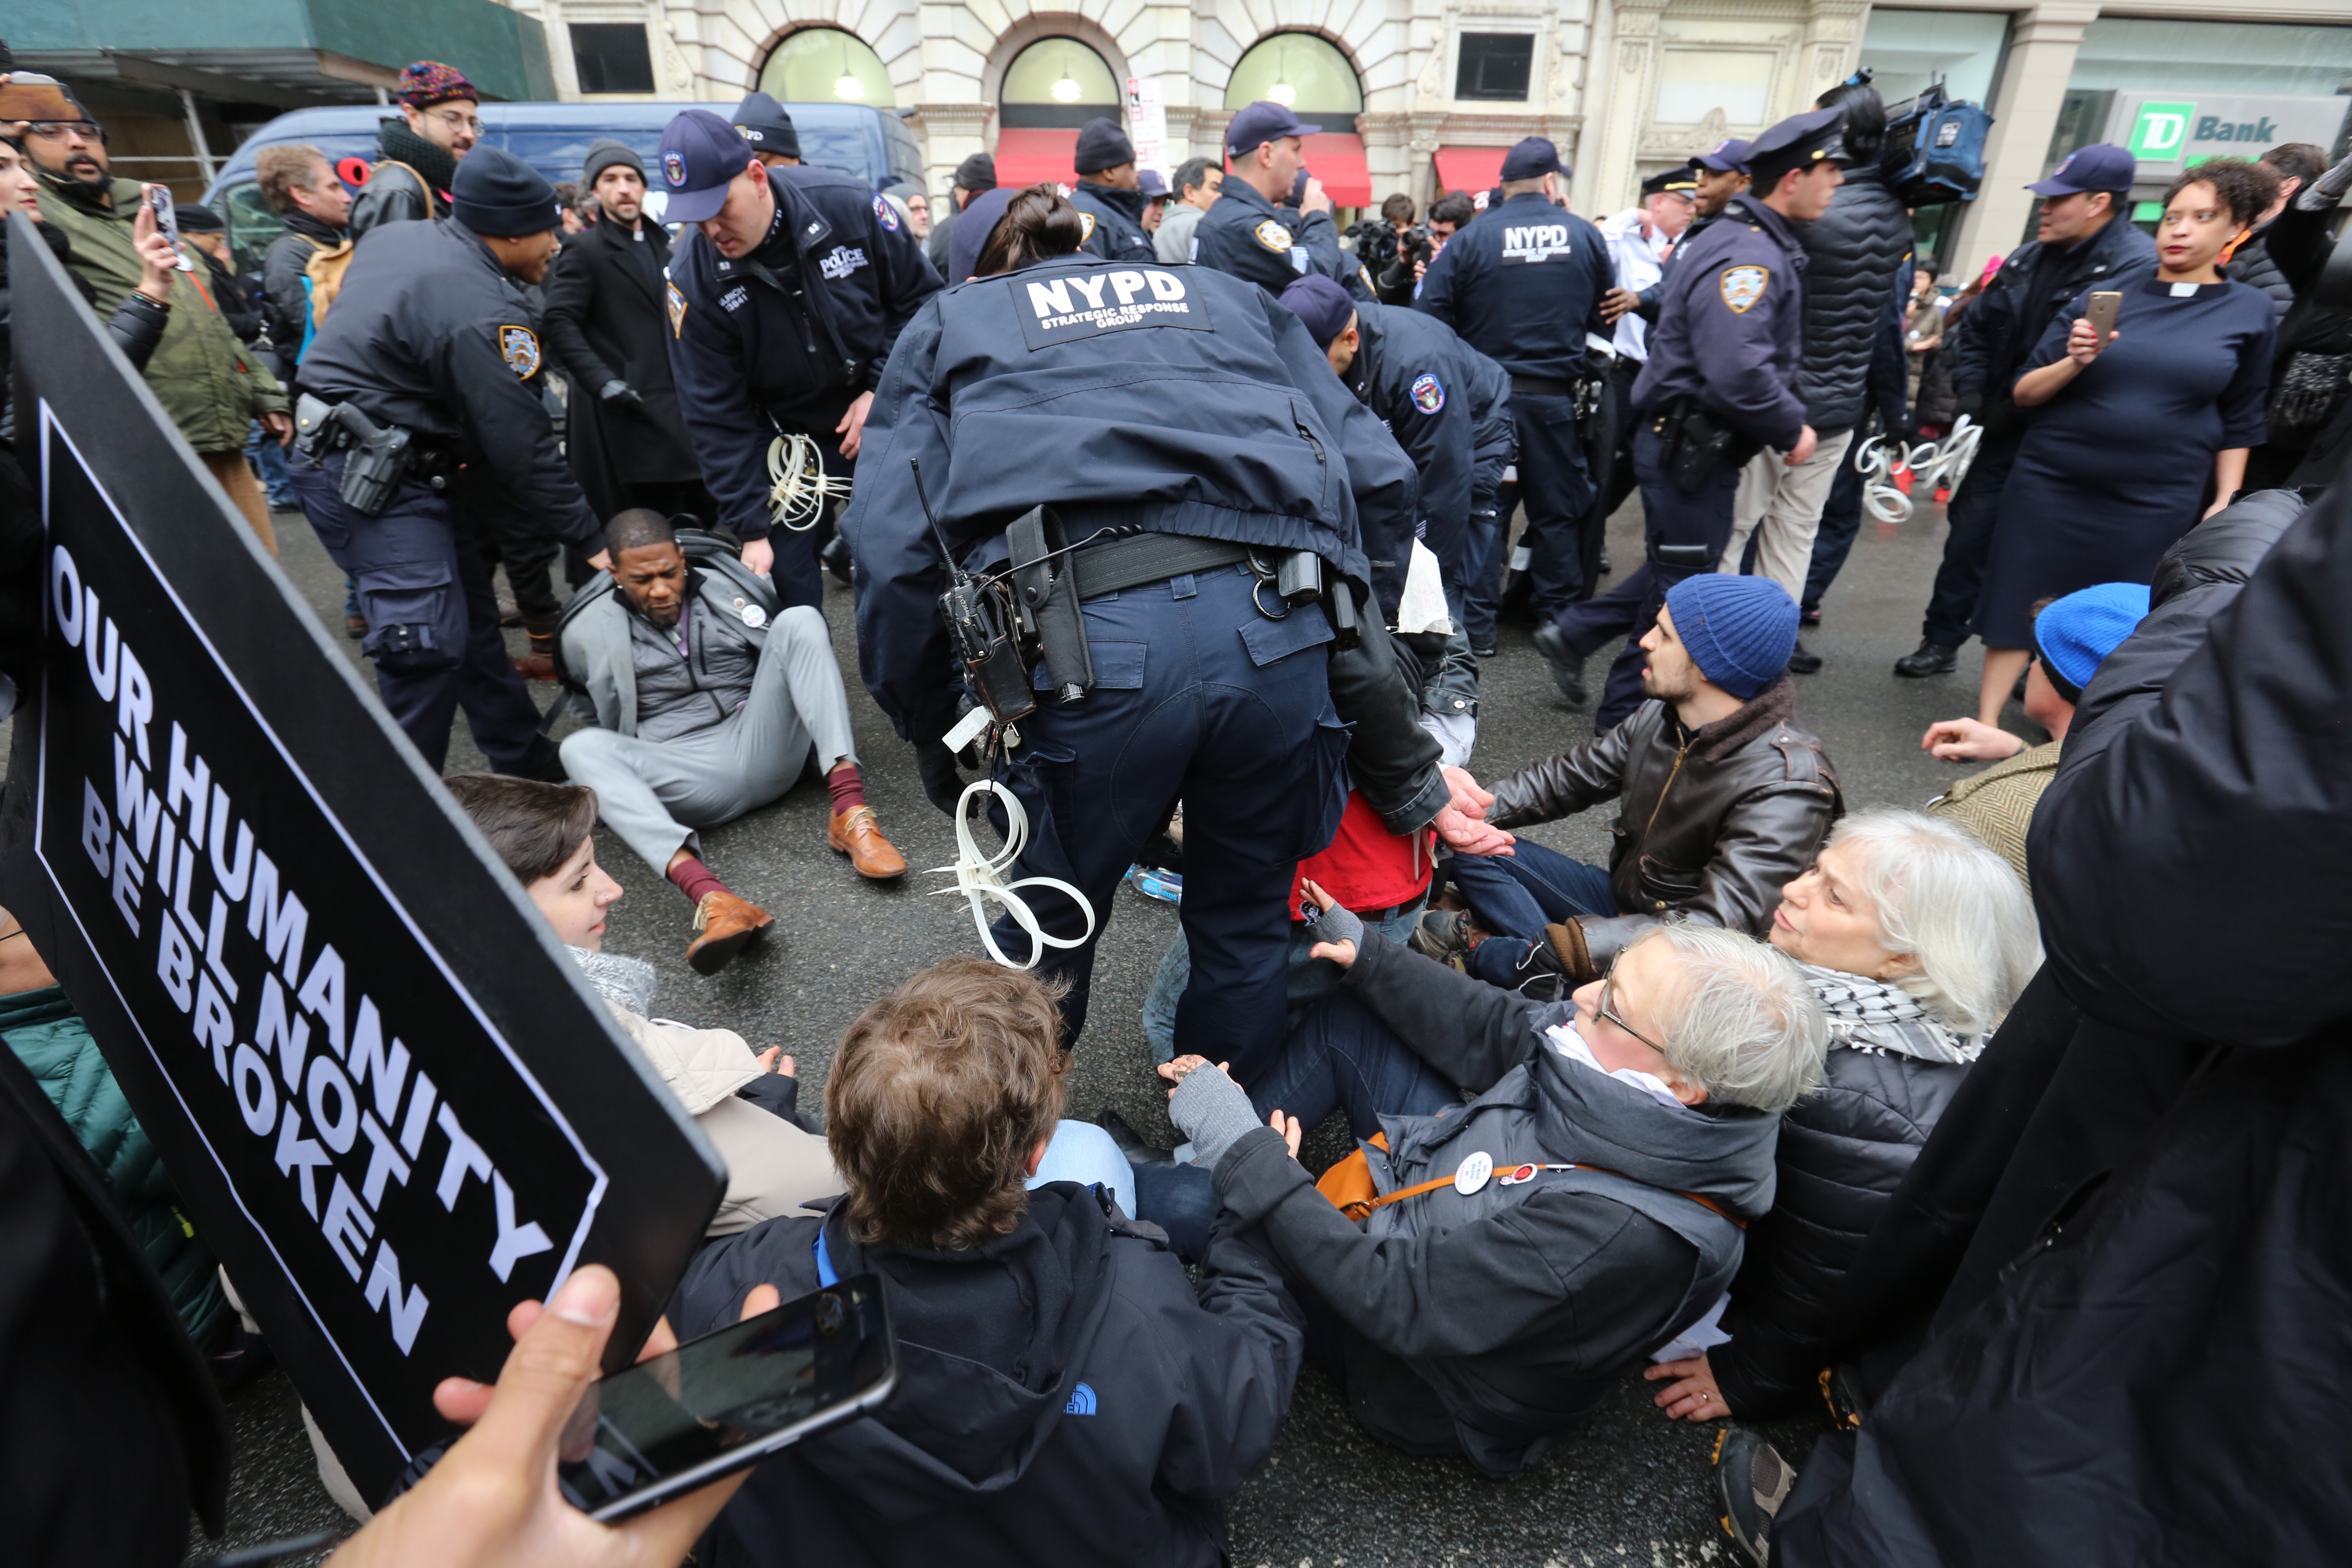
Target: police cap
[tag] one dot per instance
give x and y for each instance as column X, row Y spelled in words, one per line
column 1729, row 156
column 1670, row 182
column 1322, row 305
column 762, row 121
column 1531, row 159
column 972, row 227
column 701, row 154
column 1260, row 124
column 1797, row 143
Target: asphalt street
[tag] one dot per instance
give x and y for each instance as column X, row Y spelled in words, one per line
column 1632, row 1488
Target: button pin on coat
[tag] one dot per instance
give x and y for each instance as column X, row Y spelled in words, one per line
column 1472, row 1173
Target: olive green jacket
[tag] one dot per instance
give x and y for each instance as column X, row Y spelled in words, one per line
column 212, row 385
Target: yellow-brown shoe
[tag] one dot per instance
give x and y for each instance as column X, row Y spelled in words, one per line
column 856, row 833
column 726, row 925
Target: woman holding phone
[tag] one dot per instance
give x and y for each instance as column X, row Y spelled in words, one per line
column 2133, row 423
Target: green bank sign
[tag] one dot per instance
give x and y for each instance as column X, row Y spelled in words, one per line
column 2171, row 131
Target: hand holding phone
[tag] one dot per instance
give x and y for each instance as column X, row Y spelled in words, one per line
column 167, row 221
column 2105, row 303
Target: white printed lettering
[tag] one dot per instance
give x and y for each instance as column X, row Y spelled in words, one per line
column 256, row 1094
column 515, row 1242
column 406, row 1312
column 1049, row 298
column 96, row 829
column 295, row 1153
column 348, row 1226
column 1127, row 286
column 340, row 1131
column 465, row 1155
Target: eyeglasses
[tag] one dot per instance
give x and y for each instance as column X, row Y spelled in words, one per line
column 1604, row 1010
column 58, row 130
column 456, row 120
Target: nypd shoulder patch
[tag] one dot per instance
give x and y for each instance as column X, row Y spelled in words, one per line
column 521, row 347
column 1428, row 393
column 884, row 213
column 677, row 303
column 1743, row 286
column 1274, row 237
column 1085, row 226
column 674, row 168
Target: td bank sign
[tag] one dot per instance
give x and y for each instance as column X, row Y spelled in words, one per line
column 2167, row 131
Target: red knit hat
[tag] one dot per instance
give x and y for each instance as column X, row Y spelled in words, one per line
column 424, row 83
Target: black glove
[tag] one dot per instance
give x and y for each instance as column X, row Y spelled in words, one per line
column 619, row 393
column 941, row 782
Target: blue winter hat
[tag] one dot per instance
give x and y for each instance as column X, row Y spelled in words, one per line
column 1322, row 305
column 1739, row 630
column 2072, row 634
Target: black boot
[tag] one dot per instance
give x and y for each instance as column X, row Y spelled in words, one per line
column 1130, row 1143
column 1804, row 661
column 1566, row 665
column 835, row 556
column 1931, row 658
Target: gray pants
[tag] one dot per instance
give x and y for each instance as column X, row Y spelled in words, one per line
column 654, row 793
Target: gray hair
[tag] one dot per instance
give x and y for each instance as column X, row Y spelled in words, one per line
column 1953, row 904
column 1744, row 1023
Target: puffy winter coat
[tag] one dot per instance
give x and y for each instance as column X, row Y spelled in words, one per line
column 2254, row 265
column 1852, row 254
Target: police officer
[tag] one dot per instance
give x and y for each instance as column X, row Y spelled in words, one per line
column 1248, row 233
column 761, row 122
column 431, row 334
column 1523, row 285
column 1108, row 196
column 784, row 296
column 1720, row 381
column 1194, row 412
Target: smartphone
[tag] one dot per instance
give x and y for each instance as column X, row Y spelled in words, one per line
column 2105, row 303
column 167, row 220
column 722, row 1403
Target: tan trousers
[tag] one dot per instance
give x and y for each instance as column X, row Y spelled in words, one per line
column 235, row 476
column 1783, row 507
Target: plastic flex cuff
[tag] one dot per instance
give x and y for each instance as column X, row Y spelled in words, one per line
column 798, row 485
column 980, row 879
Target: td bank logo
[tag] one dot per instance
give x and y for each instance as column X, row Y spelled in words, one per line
column 2161, row 131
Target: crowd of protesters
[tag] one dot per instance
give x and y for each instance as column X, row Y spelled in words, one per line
column 1977, row 1128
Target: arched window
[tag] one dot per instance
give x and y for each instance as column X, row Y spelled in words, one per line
column 1056, row 83
column 826, row 64
column 1301, row 71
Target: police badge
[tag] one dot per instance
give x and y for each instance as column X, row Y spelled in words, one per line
column 1085, row 226
column 1428, row 393
column 1274, row 237
column 521, row 347
column 673, row 169
column 677, row 303
column 883, row 216
column 1742, row 287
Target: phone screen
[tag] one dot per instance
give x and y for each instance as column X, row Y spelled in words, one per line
column 716, row 1405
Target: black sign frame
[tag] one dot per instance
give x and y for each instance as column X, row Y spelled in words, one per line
column 363, row 1037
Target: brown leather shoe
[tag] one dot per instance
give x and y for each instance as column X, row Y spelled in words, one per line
column 355, row 626
column 856, row 833
column 532, row 666
column 729, row 925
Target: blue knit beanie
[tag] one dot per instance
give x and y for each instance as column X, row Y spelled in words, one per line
column 1740, row 630
column 2075, row 633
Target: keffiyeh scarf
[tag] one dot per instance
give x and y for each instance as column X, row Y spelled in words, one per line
column 1871, row 1016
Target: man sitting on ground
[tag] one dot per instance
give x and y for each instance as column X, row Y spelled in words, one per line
column 1725, row 801
column 706, row 710
column 1065, row 1395
column 745, row 1104
column 1491, row 1291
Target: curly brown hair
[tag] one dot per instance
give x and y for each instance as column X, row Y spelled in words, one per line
column 1038, row 224
column 2246, row 188
column 938, row 1093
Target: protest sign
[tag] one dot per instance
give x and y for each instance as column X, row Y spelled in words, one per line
column 389, row 1102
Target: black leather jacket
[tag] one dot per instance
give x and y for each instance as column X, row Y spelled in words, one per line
column 1716, row 820
column 1853, row 252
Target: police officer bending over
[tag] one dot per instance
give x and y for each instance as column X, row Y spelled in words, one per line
column 1720, row 381
column 1191, row 414
column 423, row 418
column 1109, row 195
column 1523, row 285
column 784, row 297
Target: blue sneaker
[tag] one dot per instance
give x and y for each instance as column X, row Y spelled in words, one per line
column 1167, row 887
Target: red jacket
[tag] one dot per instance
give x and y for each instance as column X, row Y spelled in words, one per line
column 1367, row 866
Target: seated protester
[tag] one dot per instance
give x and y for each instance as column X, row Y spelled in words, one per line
column 2071, row 636
column 707, row 710
column 1487, row 1316
column 1065, row 1395
column 744, row 1103
column 1916, row 939
column 1725, row 800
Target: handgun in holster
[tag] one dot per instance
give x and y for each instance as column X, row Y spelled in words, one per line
column 379, row 453
column 1046, row 588
column 1698, row 443
column 982, row 624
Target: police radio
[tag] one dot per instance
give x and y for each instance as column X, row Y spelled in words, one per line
column 980, row 623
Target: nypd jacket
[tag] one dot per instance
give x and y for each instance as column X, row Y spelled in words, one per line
column 1523, row 285
column 1174, row 398
column 431, row 334
column 1065, row 1397
column 1249, row 236
column 1496, row 440
column 1731, row 328
column 864, row 277
column 2017, row 307
column 1114, row 222
column 1415, row 373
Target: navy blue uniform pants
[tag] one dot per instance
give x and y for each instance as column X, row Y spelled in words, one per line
column 1197, row 698
column 1557, row 490
column 432, row 619
column 1482, row 568
column 798, row 574
column 1952, row 606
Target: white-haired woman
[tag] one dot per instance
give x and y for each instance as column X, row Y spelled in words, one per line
column 1916, row 938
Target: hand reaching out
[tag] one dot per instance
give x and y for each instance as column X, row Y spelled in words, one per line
column 1692, row 1395
column 1968, row 741
column 1341, row 932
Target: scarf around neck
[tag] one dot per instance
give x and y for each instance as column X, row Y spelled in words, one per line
column 627, row 983
column 429, row 159
column 1879, row 1019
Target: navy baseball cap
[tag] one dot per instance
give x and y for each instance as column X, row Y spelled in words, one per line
column 1153, row 187
column 700, row 154
column 1323, row 305
column 1729, row 157
column 2101, row 166
column 973, row 228
column 1532, row 158
column 1260, row 124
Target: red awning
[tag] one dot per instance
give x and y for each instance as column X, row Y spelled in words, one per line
column 1029, row 157
column 1337, row 157
column 1476, row 170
